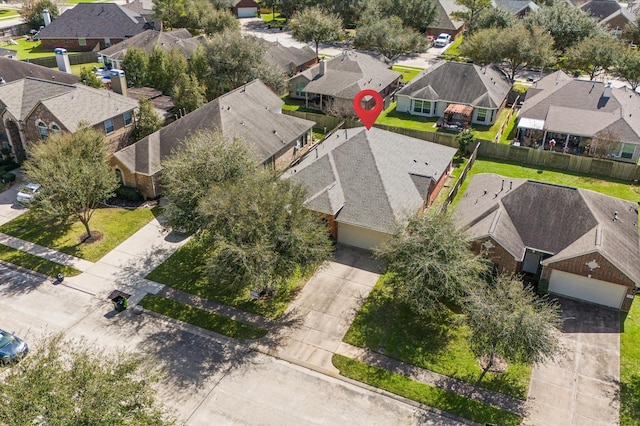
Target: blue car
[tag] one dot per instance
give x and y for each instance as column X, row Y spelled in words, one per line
column 12, row 348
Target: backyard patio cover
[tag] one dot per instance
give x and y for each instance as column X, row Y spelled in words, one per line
column 459, row 109
column 531, row 123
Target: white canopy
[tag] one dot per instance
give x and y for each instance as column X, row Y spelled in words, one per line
column 531, row 123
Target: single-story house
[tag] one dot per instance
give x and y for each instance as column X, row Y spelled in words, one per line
column 610, row 14
column 8, row 53
column 581, row 243
column 572, row 111
column 445, row 23
column 519, row 8
column 30, row 109
column 92, row 27
column 245, row 8
column 252, row 113
column 180, row 39
column 333, row 83
column 290, row 60
column 367, row 182
column 144, row 8
column 12, row 70
column 461, row 93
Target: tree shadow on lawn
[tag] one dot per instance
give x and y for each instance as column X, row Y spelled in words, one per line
column 629, row 401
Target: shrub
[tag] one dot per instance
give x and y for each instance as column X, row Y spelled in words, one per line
column 8, row 177
column 10, row 165
column 129, row 193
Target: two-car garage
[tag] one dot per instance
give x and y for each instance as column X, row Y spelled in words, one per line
column 588, row 289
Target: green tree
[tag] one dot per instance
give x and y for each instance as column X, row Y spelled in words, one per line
column 470, row 15
column 170, row 12
column 90, row 79
column 593, row 55
column 430, row 264
column 66, row 382
column 219, row 21
column 511, row 49
column 416, row 14
column 632, row 31
column 188, row 93
column 74, row 173
column 135, row 65
column 495, row 17
column 158, row 70
column 31, row 12
column 510, row 321
column 465, row 138
column 316, row 25
column 566, row 24
column 388, row 36
column 627, row 66
column 147, row 120
column 175, row 66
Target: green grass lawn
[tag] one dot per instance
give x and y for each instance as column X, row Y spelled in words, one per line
column 630, row 367
column 29, row 49
column 8, row 13
column 35, row 263
column 490, row 132
column 434, row 397
column 391, row 117
column 186, row 270
column 75, row 69
column 115, row 224
column 201, row 318
column 453, row 49
column 272, row 18
column 438, row 345
column 291, row 104
column 408, row 73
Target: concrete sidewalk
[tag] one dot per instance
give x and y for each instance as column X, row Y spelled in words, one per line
column 46, row 253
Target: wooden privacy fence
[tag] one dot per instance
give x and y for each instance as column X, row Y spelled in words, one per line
column 456, row 187
column 74, row 59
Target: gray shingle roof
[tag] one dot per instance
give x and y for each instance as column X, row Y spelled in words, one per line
column 459, row 82
column 515, row 6
column 12, row 70
column 179, row 39
column 604, row 10
column 94, row 20
column 288, row 58
column 577, row 106
column 251, row 113
column 566, row 222
column 70, row 104
column 348, row 74
column 371, row 179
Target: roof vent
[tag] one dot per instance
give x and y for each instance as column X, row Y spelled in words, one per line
column 615, row 216
column 607, row 91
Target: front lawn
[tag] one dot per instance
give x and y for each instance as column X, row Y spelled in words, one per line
column 434, row 397
column 438, row 345
column 272, row 18
column 201, row 318
column 35, row 263
column 408, row 73
column 115, row 224
column 186, row 270
column 630, row 366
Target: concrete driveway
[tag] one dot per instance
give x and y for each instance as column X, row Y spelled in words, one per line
column 581, row 387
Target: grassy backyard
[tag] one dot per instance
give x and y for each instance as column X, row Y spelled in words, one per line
column 186, row 270
column 115, row 224
column 438, row 345
column 6, row 13
column 28, row 49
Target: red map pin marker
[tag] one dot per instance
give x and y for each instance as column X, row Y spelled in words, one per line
column 368, row 116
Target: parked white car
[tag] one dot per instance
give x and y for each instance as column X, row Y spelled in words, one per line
column 442, row 40
column 27, row 192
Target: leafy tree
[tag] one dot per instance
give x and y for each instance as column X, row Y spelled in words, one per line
column 176, row 66
column 197, row 64
column 158, row 70
column 349, row 10
column 316, row 25
column 31, row 12
column 66, row 382
column 430, row 263
column 219, row 20
column 170, row 12
column 604, row 143
column 495, row 17
column 147, row 120
column 135, row 65
column 626, row 66
column 473, row 9
column 234, row 59
column 388, row 36
column 512, row 49
column 90, row 79
column 510, row 321
column 594, row 55
column 566, row 24
column 75, row 176
column 632, row 31
column 464, row 139
column 416, row 14
column 188, row 93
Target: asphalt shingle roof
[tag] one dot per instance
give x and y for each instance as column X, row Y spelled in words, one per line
column 251, row 113
column 12, row 70
column 370, row 178
column 288, row 58
column 179, row 39
column 515, row 6
column 563, row 221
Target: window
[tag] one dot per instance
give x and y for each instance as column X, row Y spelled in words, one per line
column 300, row 88
column 128, row 118
column 421, row 107
column 82, row 42
column 55, row 127
column 482, row 115
column 627, row 150
column 107, row 42
column 108, row 126
column 44, row 132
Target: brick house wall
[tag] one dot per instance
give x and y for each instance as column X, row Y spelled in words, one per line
column 73, row 44
column 436, row 187
column 332, row 226
column 504, row 260
column 606, row 272
column 618, row 22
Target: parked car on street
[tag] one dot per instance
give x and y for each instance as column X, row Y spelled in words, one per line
column 27, row 192
column 442, row 40
column 12, row 348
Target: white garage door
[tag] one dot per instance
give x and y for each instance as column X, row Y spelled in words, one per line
column 247, row 12
column 359, row 237
column 589, row 289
